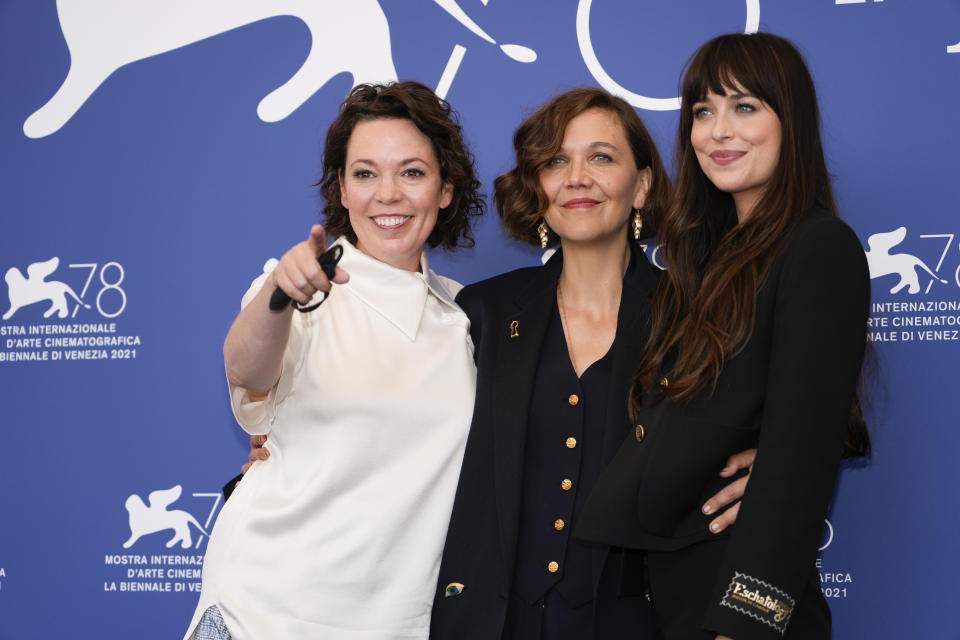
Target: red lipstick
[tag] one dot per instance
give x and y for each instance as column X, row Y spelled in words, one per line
column 580, row 203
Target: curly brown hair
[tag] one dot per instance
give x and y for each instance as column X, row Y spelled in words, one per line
column 435, row 119
column 520, row 199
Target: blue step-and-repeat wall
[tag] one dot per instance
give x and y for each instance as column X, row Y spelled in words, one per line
column 155, row 155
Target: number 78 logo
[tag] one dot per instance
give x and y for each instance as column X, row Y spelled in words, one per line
column 109, row 271
column 25, row 291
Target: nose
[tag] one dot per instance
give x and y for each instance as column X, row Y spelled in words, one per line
column 721, row 127
column 387, row 190
column 578, row 175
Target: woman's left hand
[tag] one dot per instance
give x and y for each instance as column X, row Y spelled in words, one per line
column 731, row 492
column 724, row 638
column 257, row 452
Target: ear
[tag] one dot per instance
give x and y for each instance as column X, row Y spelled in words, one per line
column 644, row 178
column 343, row 192
column 446, row 195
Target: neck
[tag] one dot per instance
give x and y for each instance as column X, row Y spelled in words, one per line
column 744, row 204
column 408, row 262
column 592, row 274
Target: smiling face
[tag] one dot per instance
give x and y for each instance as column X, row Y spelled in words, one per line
column 392, row 188
column 593, row 183
column 736, row 138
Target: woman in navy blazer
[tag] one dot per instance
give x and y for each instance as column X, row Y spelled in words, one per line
column 757, row 337
column 555, row 348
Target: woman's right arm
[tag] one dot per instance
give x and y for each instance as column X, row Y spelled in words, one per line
column 254, row 346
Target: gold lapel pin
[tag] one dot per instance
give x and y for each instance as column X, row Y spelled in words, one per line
column 513, row 329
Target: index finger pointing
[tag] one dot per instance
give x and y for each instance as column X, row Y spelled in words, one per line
column 318, row 239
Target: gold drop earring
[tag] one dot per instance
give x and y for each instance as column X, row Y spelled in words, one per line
column 637, row 224
column 544, row 232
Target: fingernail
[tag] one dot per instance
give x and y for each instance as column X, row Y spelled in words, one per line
column 706, row 508
column 714, row 526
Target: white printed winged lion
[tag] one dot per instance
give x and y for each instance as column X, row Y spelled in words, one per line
column 35, row 288
column 145, row 519
column 883, row 263
column 350, row 36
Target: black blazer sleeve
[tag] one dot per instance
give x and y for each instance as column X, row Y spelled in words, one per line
column 818, row 340
column 230, row 486
column 472, row 305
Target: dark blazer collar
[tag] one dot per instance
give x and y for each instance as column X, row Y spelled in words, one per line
column 543, row 283
column 633, row 320
column 521, row 334
column 639, row 284
column 640, row 276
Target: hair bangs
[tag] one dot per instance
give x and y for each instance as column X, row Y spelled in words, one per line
column 734, row 64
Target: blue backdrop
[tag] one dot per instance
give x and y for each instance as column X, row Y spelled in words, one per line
column 155, row 154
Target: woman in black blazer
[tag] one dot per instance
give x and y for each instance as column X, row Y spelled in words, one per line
column 555, row 348
column 757, row 336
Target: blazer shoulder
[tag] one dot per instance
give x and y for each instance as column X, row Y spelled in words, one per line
column 823, row 239
column 819, row 232
column 486, row 301
column 505, row 286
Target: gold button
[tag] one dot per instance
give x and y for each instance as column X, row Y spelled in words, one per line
column 567, row 484
column 640, row 433
column 573, row 400
column 571, row 443
column 559, row 524
column 553, row 567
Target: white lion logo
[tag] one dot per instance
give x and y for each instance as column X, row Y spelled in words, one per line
column 34, row 288
column 145, row 520
column 103, row 35
column 883, row 263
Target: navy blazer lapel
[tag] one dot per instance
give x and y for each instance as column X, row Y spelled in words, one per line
column 632, row 327
column 522, row 331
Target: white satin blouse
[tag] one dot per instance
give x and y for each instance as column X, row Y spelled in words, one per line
column 338, row 534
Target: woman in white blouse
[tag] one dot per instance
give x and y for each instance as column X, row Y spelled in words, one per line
column 367, row 400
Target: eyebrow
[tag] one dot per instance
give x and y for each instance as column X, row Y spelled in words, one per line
column 737, row 95
column 599, row 144
column 403, row 162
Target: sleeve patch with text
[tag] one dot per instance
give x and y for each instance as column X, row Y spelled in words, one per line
column 759, row 600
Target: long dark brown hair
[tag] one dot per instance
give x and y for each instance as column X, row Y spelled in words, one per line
column 704, row 310
column 520, row 199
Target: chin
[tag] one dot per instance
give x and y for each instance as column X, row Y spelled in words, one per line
column 591, row 236
column 396, row 252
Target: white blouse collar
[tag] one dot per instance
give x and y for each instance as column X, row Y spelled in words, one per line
column 398, row 295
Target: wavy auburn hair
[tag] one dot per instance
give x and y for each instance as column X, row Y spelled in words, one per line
column 703, row 311
column 437, row 121
column 520, row 199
